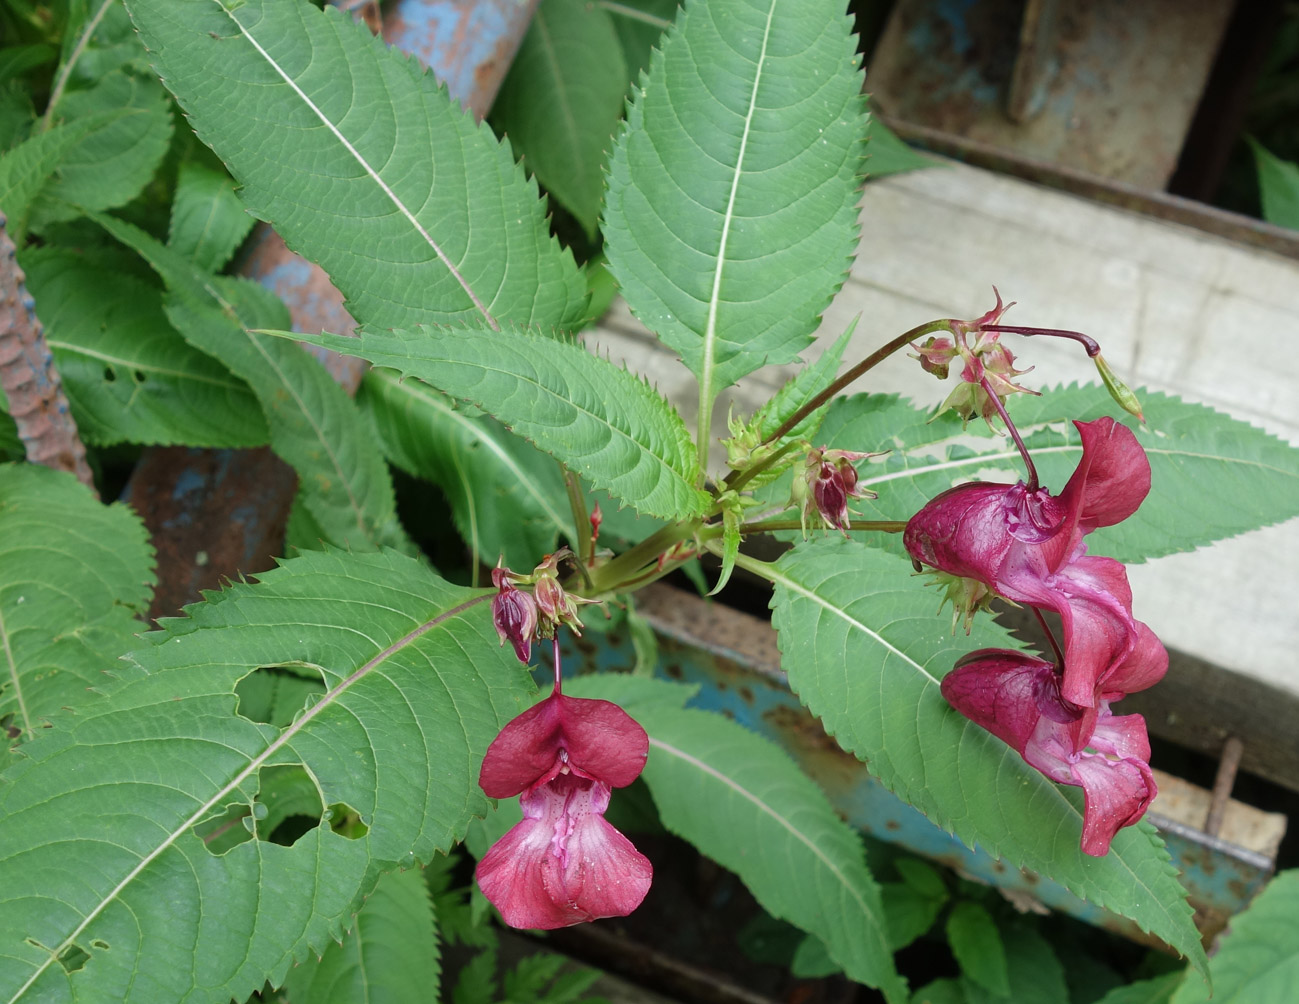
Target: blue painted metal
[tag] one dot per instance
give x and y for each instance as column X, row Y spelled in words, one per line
column 1220, row 877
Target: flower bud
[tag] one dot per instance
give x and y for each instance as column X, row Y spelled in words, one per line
column 514, row 613
column 828, row 481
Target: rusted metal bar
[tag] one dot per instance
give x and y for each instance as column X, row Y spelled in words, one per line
column 230, row 507
column 37, row 403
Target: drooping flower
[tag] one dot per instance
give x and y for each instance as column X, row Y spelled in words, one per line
column 1027, row 546
column 514, row 613
column 1017, row 698
column 828, row 481
column 557, row 607
column 564, row 864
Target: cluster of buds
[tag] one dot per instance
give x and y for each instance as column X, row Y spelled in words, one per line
column 989, row 367
column 822, row 490
column 521, row 616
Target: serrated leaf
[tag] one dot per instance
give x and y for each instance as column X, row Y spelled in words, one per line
column 208, row 222
column 416, row 688
column 561, row 101
column 74, row 576
column 730, row 216
column 1258, row 960
column 741, row 800
column 799, row 390
column 506, row 497
column 976, row 944
column 130, row 129
column 313, row 424
column 1278, row 183
column 864, row 652
column 362, row 163
column 1159, row 990
column 600, row 421
column 390, row 955
column 1212, row 476
column 28, row 168
column 128, row 373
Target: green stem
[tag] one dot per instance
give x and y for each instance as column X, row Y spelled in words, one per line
column 762, row 569
column 870, row 362
column 609, row 577
column 581, row 519
column 877, row 525
column 742, row 478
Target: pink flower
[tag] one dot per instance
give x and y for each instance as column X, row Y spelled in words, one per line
column 564, row 864
column 1017, row 698
column 1027, row 546
column 514, row 613
column 828, row 481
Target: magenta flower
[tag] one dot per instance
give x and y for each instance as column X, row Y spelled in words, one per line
column 514, row 613
column 564, row 864
column 1027, row 545
column 1017, row 698
column 828, row 481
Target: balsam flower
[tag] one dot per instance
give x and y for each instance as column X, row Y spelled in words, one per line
column 1017, row 698
column 1027, row 546
column 514, row 613
column 564, row 864
column 828, row 481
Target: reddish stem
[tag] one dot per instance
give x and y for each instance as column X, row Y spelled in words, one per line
column 1088, row 342
column 1014, row 433
column 1050, row 636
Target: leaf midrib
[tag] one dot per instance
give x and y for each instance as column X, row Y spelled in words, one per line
column 706, row 376
column 763, row 806
column 326, row 701
column 355, row 154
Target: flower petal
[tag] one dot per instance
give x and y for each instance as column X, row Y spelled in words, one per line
column 1112, row 479
column 1118, row 792
column 600, row 740
column 1007, row 693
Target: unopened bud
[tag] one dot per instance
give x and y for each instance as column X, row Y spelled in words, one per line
column 514, row 613
column 1118, row 389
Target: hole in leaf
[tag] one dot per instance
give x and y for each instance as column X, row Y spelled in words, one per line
column 139, row 376
column 73, row 958
column 100, row 944
column 273, row 695
column 110, row 374
column 11, row 730
column 223, row 832
column 288, row 804
column 346, row 821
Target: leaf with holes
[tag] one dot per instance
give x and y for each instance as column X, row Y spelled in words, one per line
column 506, row 497
column 314, row 426
column 562, row 100
column 1189, row 446
column 730, row 217
column 602, row 422
column 74, row 576
column 741, row 800
column 128, row 373
column 389, row 956
column 866, row 658
column 415, row 687
column 362, row 163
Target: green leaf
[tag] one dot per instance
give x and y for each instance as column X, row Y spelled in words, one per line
column 314, row 426
column 602, row 422
column 562, row 100
column 1278, row 183
column 128, row 373
column 865, row 654
column 1212, row 476
column 976, row 944
column 389, row 957
column 506, row 497
column 799, row 390
column 28, row 167
column 640, row 25
column 17, row 60
column 941, row 992
column 1035, row 974
column 208, row 222
column 1159, row 990
column 74, row 576
column 741, row 800
column 1258, row 960
column 886, row 154
column 130, row 129
column 362, row 163
column 416, row 688
column 730, row 216
column 913, row 904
